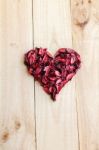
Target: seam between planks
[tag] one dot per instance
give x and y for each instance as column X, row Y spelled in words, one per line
column 77, row 119
column 34, row 80
column 75, row 85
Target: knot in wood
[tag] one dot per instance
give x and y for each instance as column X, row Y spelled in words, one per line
column 4, row 136
column 81, row 15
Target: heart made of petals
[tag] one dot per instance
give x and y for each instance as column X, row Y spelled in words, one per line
column 52, row 73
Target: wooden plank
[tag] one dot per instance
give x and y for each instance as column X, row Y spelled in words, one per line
column 85, row 17
column 56, row 122
column 17, row 124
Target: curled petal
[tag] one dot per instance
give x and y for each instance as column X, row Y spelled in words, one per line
column 69, row 76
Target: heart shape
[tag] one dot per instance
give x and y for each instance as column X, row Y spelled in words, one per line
column 52, row 73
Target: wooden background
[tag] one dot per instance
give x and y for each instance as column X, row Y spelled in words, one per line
column 29, row 120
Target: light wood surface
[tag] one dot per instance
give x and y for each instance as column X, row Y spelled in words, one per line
column 29, row 120
column 85, row 20
column 17, row 124
column 56, row 122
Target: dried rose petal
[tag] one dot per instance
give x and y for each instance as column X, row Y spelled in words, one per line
column 52, row 73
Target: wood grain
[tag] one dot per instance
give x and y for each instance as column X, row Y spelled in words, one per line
column 56, row 122
column 29, row 119
column 85, row 20
column 17, row 124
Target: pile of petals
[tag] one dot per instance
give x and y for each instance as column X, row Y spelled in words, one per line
column 52, row 73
